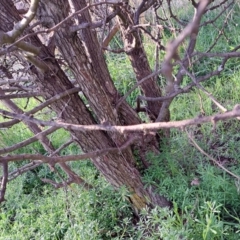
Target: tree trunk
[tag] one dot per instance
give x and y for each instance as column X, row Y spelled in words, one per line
column 118, row 169
column 133, row 47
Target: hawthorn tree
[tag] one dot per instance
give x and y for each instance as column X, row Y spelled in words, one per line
column 55, row 51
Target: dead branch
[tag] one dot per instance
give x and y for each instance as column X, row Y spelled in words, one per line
column 58, row 185
column 193, row 78
column 21, row 25
column 219, row 55
column 110, row 36
column 218, row 15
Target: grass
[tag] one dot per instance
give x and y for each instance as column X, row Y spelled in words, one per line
column 208, row 209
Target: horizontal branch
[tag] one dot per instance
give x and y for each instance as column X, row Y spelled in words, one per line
column 136, row 128
column 21, row 95
column 93, row 25
column 19, row 171
column 11, row 81
column 41, row 106
column 221, row 55
column 52, row 160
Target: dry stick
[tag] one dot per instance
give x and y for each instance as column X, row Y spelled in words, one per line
column 210, row 157
column 219, row 15
column 58, row 185
column 93, row 25
column 172, row 95
column 110, row 36
column 47, row 145
column 145, row 127
column 186, row 89
column 20, row 26
column 66, row 144
column 220, row 32
column 216, row 6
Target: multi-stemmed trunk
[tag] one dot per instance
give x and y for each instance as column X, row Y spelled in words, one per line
column 118, row 169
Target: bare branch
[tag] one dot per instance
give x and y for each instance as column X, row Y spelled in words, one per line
column 172, row 47
column 41, row 106
column 219, row 15
column 11, row 81
column 110, row 36
column 21, row 25
column 222, row 108
column 66, row 144
column 28, row 141
column 19, row 171
column 137, row 128
column 21, row 95
column 220, row 55
column 93, row 25
column 62, row 159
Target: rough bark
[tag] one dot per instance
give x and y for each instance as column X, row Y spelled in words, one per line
column 126, row 114
column 118, row 169
column 133, row 47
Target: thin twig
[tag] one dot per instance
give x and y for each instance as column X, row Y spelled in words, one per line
column 210, row 157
